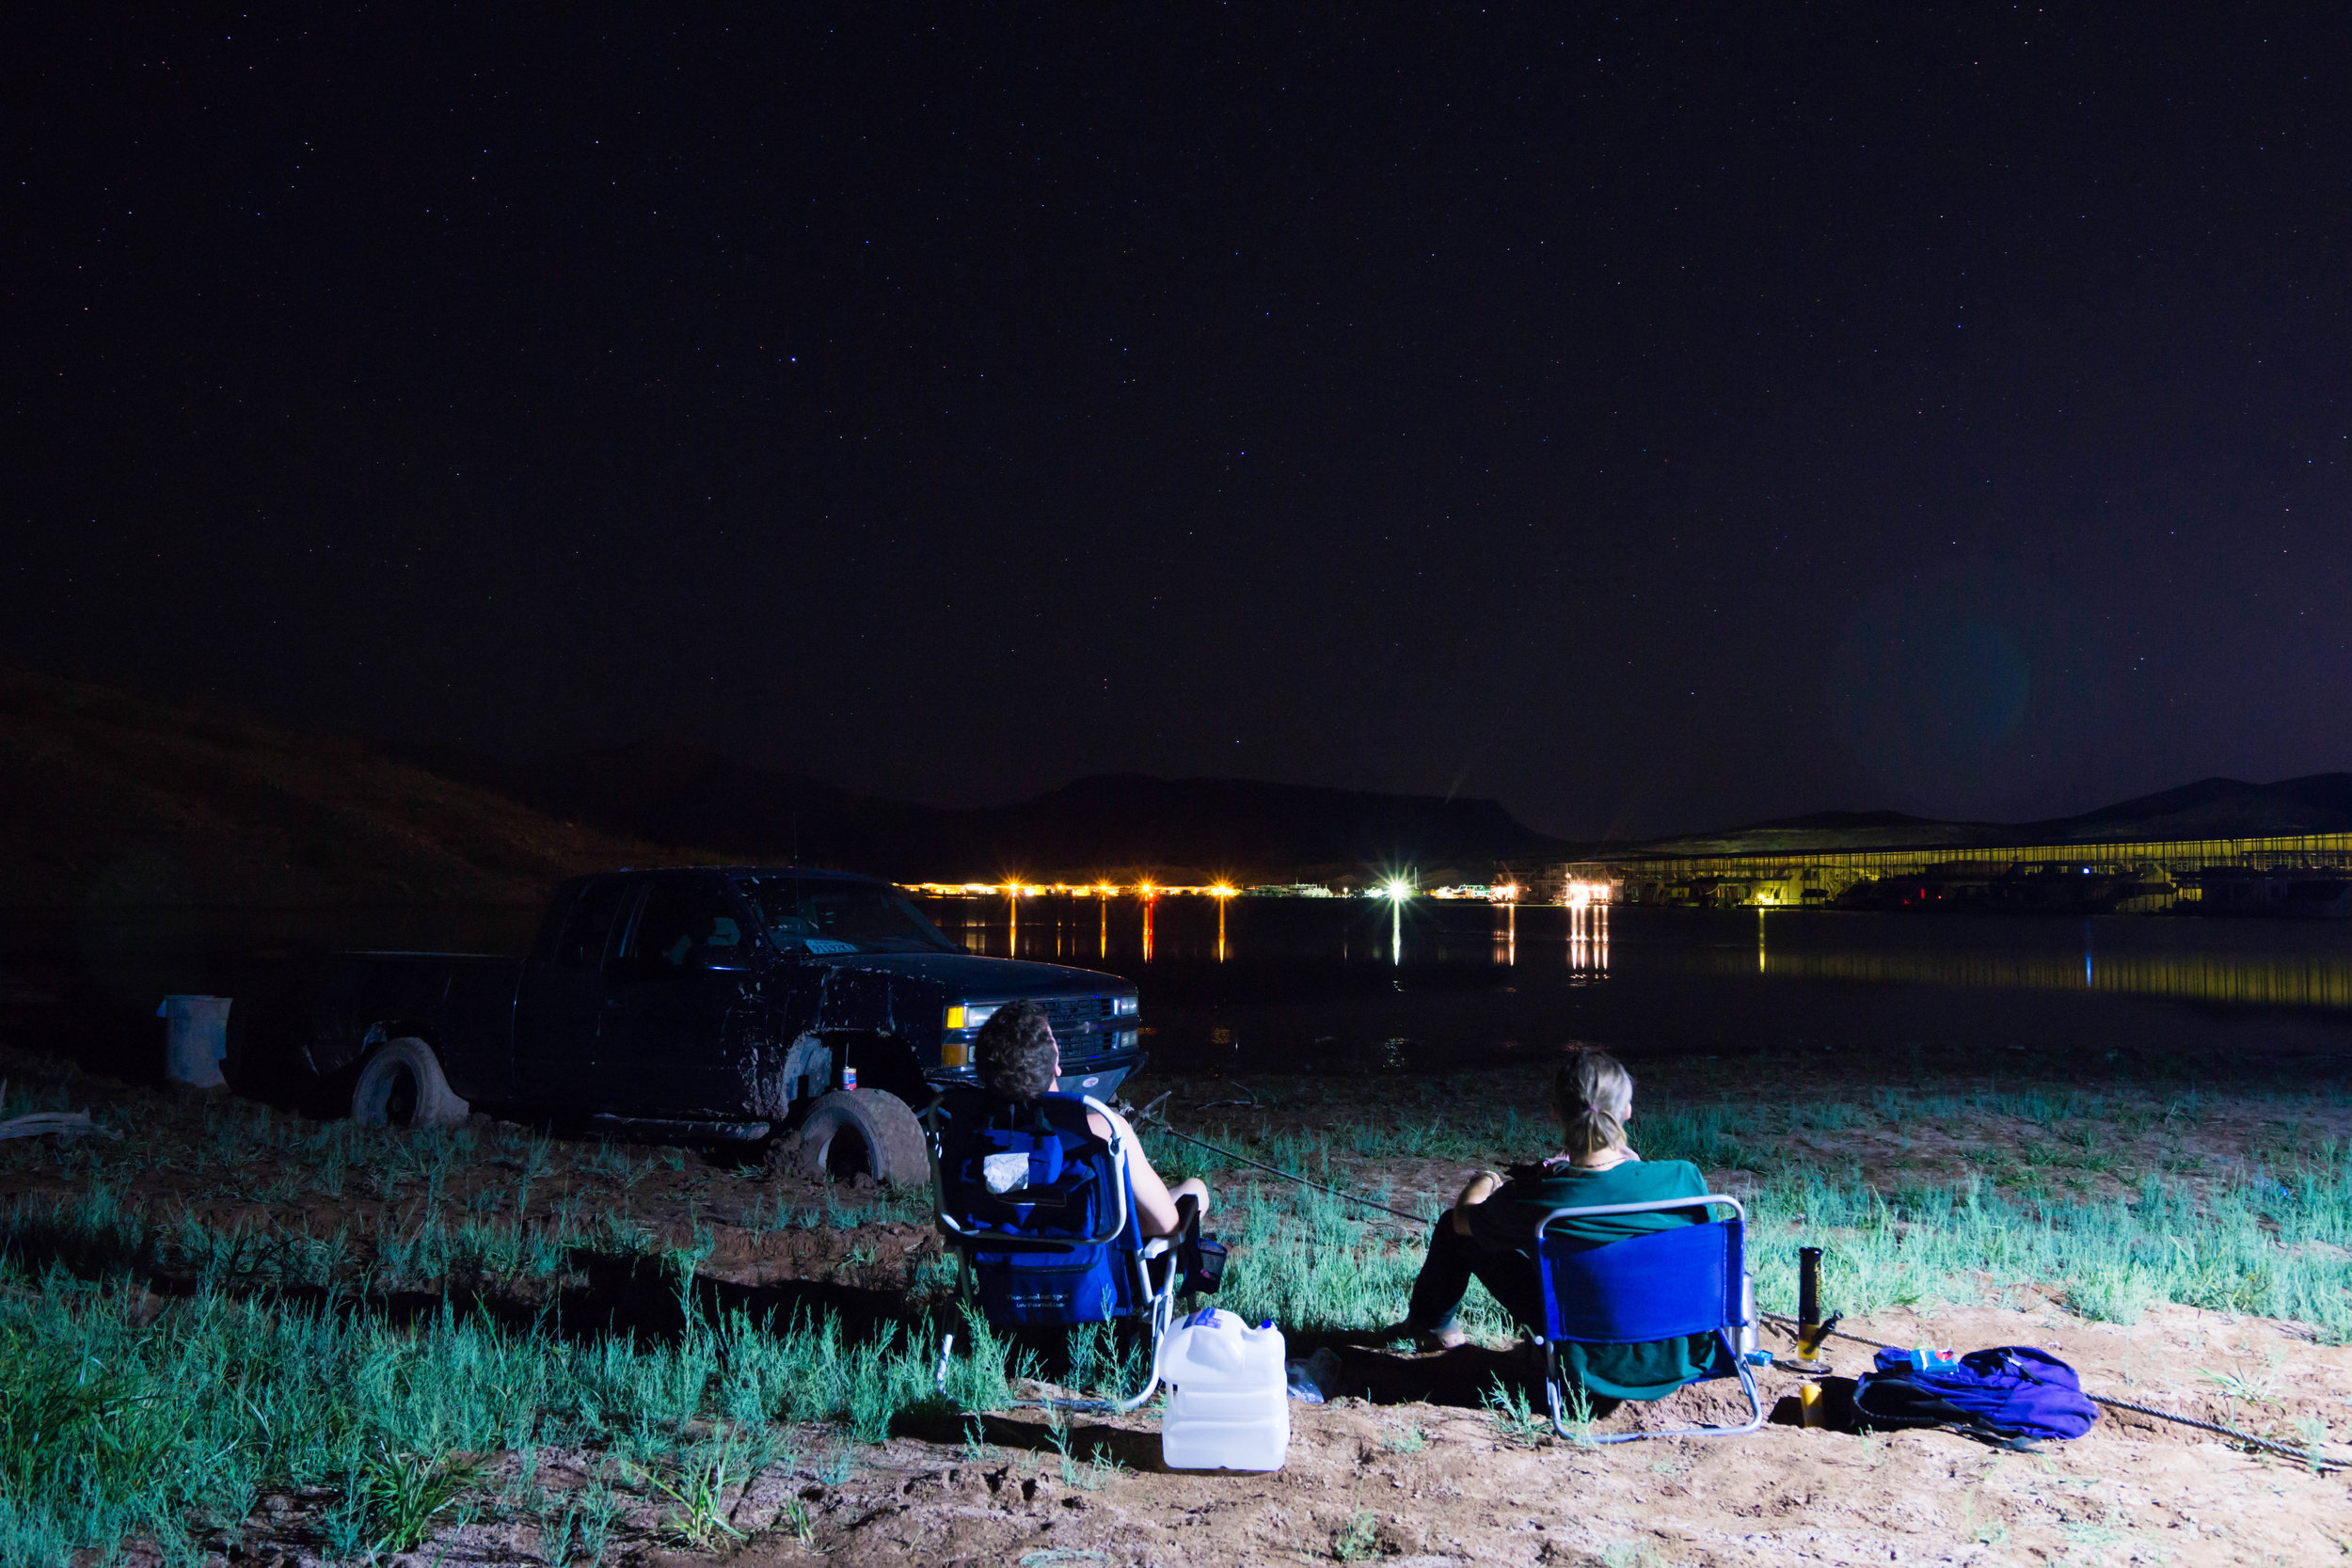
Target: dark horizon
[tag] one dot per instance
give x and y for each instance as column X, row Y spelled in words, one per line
column 1649, row 427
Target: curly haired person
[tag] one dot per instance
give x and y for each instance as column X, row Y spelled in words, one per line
column 1018, row 1060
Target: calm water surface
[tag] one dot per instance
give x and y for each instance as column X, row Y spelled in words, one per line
column 1264, row 985
column 1341, row 985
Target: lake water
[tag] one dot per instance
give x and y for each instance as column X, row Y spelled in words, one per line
column 1342, row 985
column 1267, row 984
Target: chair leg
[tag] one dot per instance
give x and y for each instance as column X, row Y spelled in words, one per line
column 1747, row 1387
column 1553, row 1398
column 1158, row 1319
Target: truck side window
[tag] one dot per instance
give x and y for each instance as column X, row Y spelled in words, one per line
column 686, row 926
column 582, row 944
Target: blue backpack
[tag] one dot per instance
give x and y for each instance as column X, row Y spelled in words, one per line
column 2010, row 1396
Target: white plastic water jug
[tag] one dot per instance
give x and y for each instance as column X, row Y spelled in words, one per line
column 195, row 1037
column 1227, row 1403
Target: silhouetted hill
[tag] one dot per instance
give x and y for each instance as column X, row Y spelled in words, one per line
column 2217, row 808
column 1843, row 819
column 2210, row 808
column 1120, row 825
column 1243, row 826
column 110, row 801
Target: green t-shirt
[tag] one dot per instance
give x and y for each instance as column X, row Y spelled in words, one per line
column 1506, row 1223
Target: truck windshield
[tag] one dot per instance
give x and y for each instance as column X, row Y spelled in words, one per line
column 821, row 914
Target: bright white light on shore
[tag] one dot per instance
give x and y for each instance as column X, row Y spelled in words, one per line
column 1397, row 891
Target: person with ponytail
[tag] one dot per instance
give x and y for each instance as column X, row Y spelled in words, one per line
column 1489, row 1233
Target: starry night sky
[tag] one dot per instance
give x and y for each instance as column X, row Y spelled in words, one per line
column 1652, row 421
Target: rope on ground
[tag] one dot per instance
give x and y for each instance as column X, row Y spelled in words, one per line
column 2312, row 1457
column 1152, row 1116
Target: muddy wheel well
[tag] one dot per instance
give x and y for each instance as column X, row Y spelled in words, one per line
column 337, row 1051
column 882, row 1062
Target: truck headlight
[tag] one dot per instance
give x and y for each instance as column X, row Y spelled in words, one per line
column 1126, row 1040
column 965, row 1016
column 1124, row 1006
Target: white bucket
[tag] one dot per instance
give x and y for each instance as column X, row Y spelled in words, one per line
column 1229, row 1403
column 195, row 1039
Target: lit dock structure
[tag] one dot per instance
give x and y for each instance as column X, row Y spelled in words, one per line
column 2298, row 874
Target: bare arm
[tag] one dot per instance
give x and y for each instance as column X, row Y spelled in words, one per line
column 1477, row 1191
column 1155, row 1205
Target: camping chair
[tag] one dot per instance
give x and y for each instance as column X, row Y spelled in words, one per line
column 1663, row 1285
column 1052, row 1240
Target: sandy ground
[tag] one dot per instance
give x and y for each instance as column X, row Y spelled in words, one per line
column 2130, row 1491
column 1415, row 1482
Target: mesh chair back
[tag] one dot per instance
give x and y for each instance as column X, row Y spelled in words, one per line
column 1660, row 1286
column 1049, row 1248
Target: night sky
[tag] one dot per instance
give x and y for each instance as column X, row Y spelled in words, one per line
column 1652, row 421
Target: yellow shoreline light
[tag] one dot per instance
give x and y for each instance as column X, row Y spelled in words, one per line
column 1016, row 889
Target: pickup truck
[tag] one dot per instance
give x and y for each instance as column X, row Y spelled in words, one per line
column 813, row 1009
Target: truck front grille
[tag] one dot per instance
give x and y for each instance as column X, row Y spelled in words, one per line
column 1074, row 1019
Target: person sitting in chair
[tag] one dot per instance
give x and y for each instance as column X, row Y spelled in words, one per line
column 1018, row 1060
column 1489, row 1233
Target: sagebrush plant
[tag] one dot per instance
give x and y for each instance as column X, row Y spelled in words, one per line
column 1358, row 1540
column 1515, row 1418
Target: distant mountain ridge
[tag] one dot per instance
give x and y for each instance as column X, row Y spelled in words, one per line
column 2210, row 808
column 2223, row 808
column 109, row 798
column 1120, row 826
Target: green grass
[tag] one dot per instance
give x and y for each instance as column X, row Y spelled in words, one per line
column 2236, row 1244
column 286, row 1363
column 112, row 1425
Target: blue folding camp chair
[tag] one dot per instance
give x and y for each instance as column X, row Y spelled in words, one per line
column 1665, row 1284
column 1052, row 1240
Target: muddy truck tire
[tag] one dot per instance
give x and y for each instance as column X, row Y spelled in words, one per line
column 860, row 1131
column 400, row 1085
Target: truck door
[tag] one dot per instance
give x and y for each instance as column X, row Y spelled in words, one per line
column 560, row 1006
column 674, row 1044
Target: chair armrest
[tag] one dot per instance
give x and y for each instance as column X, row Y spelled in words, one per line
column 1158, row 1246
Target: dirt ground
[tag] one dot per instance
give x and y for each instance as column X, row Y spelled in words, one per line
column 1410, row 1465
column 1407, row 1482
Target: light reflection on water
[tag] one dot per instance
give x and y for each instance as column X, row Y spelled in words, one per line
column 2265, row 963
column 1352, row 985
column 2276, row 977
column 1588, row 938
